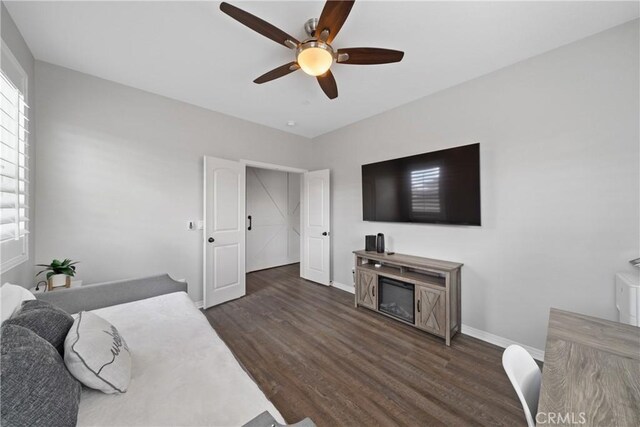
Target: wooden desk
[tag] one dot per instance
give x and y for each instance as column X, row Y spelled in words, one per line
column 591, row 366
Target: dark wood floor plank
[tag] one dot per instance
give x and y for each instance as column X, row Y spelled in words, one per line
column 313, row 354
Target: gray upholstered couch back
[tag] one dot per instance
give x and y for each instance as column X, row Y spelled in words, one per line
column 91, row 297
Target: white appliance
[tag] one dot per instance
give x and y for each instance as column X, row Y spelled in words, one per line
column 628, row 298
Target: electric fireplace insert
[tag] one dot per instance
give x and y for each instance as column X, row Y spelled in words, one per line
column 396, row 298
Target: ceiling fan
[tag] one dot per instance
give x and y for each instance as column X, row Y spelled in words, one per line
column 315, row 54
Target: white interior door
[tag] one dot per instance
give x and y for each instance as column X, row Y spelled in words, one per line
column 316, row 251
column 224, row 230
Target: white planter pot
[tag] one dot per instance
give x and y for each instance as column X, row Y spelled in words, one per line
column 58, row 280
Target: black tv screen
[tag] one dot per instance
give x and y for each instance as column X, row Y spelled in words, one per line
column 441, row 187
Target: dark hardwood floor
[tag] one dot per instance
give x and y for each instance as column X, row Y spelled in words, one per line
column 314, row 354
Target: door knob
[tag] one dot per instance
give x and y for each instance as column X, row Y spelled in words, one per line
column 211, row 240
column 325, row 233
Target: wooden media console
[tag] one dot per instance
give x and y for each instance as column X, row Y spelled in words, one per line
column 421, row 292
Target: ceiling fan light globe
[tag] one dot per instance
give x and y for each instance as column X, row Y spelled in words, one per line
column 315, row 61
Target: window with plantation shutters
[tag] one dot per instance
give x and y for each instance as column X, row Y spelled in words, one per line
column 14, row 170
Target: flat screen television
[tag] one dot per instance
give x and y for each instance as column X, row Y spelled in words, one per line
column 441, row 187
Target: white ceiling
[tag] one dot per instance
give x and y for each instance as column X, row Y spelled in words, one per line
column 192, row 52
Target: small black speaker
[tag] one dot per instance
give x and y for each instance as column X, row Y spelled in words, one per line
column 370, row 243
column 380, row 243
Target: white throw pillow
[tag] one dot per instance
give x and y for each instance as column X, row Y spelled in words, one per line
column 11, row 297
column 97, row 355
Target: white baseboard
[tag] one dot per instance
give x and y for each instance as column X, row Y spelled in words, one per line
column 199, row 304
column 347, row 288
column 500, row 341
column 472, row 332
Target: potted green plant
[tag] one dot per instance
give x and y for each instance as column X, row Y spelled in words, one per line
column 59, row 273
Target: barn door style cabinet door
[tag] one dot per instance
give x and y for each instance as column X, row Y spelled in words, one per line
column 366, row 289
column 428, row 289
column 431, row 310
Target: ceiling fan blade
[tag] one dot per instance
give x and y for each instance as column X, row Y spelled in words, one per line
column 328, row 84
column 276, row 73
column 369, row 56
column 332, row 18
column 258, row 25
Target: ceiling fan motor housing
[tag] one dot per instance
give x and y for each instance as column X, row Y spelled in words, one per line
column 310, row 26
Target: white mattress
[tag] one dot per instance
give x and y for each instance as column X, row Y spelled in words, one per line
column 183, row 374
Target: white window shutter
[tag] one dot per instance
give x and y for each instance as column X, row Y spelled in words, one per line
column 14, row 162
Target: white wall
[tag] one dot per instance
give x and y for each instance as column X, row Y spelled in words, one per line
column 120, row 174
column 560, row 183
column 23, row 274
column 273, row 201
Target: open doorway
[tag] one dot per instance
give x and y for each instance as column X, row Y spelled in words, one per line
column 273, row 218
column 227, row 222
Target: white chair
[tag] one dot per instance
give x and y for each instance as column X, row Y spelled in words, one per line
column 524, row 374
